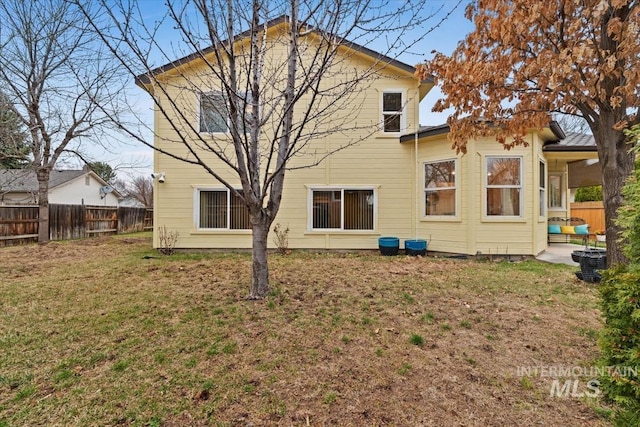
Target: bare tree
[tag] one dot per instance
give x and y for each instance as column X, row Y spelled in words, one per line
column 572, row 123
column 268, row 94
column 55, row 75
column 141, row 189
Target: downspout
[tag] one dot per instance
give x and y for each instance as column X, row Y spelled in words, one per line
column 535, row 219
column 416, row 171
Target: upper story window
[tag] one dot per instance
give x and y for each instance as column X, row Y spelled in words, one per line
column 440, row 188
column 214, row 112
column 342, row 209
column 504, row 186
column 221, row 210
column 392, row 111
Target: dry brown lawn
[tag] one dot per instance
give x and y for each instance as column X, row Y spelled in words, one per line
column 107, row 332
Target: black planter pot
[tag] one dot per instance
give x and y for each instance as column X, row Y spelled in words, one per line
column 590, row 261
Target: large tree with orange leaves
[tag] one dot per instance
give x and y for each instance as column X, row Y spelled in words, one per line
column 527, row 59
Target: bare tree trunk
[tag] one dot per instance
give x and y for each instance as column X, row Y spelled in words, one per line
column 617, row 164
column 260, row 267
column 43, row 205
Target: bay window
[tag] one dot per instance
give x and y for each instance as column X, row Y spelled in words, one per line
column 543, row 188
column 440, row 188
column 503, row 186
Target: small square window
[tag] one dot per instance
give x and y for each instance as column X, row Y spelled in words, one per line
column 215, row 112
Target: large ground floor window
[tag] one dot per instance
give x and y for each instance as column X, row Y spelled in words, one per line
column 342, row 209
column 222, row 210
column 503, row 186
column 440, row 188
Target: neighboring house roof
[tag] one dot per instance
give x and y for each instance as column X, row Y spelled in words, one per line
column 144, row 79
column 25, row 180
column 129, row 201
column 573, row 142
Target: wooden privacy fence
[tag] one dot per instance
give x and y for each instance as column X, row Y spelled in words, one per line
column 19, row 224
column 591, row 212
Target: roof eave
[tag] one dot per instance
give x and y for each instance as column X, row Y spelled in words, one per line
column 556, row 148
column 432, row 131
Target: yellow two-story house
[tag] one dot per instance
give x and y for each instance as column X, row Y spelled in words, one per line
column 392, row 177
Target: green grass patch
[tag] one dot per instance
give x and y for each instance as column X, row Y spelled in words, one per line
column 416, row 339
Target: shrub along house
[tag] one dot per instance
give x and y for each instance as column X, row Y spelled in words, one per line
column 402, row 180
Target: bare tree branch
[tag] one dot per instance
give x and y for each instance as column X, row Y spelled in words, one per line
column 272, row 76
column 59, row 81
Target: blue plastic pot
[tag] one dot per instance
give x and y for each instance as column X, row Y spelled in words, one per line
column 415, row 247
column 389, row 245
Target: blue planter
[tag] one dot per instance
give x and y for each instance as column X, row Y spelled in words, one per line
column 415, row 247
column 389, row 245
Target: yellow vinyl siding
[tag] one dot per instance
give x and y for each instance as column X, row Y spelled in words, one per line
column 471, row 231
column 375, row 162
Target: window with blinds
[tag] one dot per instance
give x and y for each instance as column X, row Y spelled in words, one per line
column 220, row 209
column 342, row 209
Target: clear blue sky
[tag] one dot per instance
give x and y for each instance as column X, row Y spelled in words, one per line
column 443, row 39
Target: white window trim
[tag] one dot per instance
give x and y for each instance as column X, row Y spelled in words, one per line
column 196, row 210
column 485, row 187
column 403, row 112
column 312, row 188
column 455, row 187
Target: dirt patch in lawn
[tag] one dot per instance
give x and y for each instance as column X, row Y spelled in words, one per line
column 107, row 332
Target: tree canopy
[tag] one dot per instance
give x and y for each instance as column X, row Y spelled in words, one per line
column 104, row 171
column 13, row 143
column 526, row 60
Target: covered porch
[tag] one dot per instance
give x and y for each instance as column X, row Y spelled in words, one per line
column 572, row 162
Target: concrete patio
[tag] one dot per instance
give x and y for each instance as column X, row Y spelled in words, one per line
column 559, row 253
